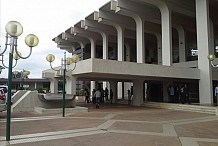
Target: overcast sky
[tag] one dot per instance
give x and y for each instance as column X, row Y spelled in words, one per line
column 46, row 19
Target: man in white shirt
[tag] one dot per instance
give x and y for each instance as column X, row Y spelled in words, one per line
column 216, row 94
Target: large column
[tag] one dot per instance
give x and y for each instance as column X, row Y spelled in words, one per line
column 113, row 87
column 203, row 34
column 165, row 91
column 159, row 49
column 140, row 42
column 138, row 92
column 53, row 85
column 93, row 86
column 211, row 40
column 166, row 35
column 128, row 52
column 182, row 43
column 120, row 90
column 93, row 55
column 105, row 45
column 93, row 50
column 71, row 87
column 120, row 43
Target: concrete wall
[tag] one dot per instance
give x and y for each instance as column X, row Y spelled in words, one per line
column 30, row 100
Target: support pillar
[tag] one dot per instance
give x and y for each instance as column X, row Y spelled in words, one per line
column 138, row 92
column 93, row 86
column 203, row 35
column 120, row 43
column 140, row 42
column 93, row 50
column 166, row 35
column 105, row 45
column 159, row 49
column 128, row 52
column 113, row 86
column 71, row 87
column 54, row 85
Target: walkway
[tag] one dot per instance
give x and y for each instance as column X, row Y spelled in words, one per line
column 111, row 125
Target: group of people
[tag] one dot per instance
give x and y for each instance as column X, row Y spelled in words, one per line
column 99, row 96
column 178, row 94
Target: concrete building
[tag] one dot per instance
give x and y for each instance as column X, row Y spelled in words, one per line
column 29, row 84
column 147, row 44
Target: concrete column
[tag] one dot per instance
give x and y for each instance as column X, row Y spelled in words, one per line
column 159, row 49
column 71, row 87
column 211, row 40
column 165, row 91
column 203, row 35
column 105, row 45
column 113, row 86
column 182, row 43
column 120, row 43
column 138, row 92
column 128, row 53
column 93, row 86
column 166, row 35
column 93, row 50
column 120, row 90
column 54, row 85
column 140, row 42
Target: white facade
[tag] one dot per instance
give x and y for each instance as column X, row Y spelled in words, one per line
column 143, row 41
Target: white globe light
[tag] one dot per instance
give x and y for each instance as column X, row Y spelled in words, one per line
column 14, row 28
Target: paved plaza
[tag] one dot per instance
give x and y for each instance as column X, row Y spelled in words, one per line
column 113, row 125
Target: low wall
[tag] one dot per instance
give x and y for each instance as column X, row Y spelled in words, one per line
column 32, row 99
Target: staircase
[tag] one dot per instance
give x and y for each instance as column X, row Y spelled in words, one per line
column 184, row 107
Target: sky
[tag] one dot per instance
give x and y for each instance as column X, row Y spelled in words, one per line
column 46, row 19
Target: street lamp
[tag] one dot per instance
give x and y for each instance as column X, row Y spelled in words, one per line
column 14, row 29
column 23, row 74
column 211, row 58
column 64, row 62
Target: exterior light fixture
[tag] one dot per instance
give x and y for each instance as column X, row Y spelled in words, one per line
column 211, row 58
column 65, row 61
column 14, row 29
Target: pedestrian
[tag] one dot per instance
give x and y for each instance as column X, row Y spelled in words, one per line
column 186, row 92
column 176, row 93
column 111, row 95
column 216, row 94
column 98, row 97
column 86, row 96
column 93, row 96
column 183, row 94
column 106, row 94
column 171, row 93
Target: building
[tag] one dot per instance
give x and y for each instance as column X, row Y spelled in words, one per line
column 147, row 44
column 28, row 83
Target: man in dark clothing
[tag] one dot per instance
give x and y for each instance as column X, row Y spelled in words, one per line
column 106, row 94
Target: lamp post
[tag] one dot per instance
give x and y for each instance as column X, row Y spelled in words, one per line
column 64, row 62
column 211, row 58
column 23, row 74
column 14, row 29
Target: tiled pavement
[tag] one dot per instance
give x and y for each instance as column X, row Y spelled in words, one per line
column 113, row 125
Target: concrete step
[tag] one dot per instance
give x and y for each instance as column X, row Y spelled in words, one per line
column 184, row 107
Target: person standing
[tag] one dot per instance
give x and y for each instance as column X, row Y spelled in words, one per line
column 106, row 94
column 111, row 95
column 216, row 94
column 176, row 93
column 171, row 93
column 98, row 97
column 93, row 96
